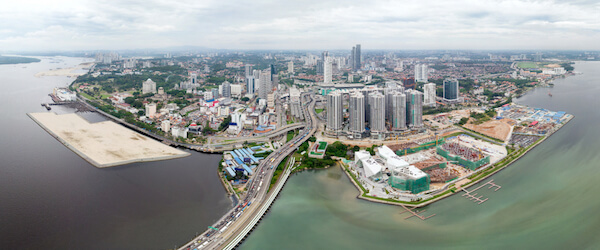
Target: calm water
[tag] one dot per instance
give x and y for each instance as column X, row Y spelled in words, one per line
column 549, row 199
column 52, row 199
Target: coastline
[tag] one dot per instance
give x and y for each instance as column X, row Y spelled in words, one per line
column 449, row 190
column 98, row 160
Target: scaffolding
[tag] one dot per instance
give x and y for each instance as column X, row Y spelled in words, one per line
column 423, row 146
column 415, row 186
column 472, row 165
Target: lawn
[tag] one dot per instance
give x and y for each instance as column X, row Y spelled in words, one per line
column 318, row 110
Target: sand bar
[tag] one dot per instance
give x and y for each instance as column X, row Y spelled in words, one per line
column 104, row 144
column 66, row 71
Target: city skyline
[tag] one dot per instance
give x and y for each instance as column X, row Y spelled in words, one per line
column 306, row 25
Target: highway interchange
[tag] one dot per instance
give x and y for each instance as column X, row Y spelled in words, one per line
column 237, row 222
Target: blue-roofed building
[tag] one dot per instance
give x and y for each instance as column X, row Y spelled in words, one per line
column 230, row 171
column 237, row 159
column 248, row 169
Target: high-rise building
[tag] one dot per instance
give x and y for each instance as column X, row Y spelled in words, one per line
column 429, row 90
column 355, row 58
column 148, row 86
column 398, row 121
column 295, row 106
column 421, row 73
column 215, row 92
column 414, row 108
column 377, row 104
column 250, row 84
column 389, row 90
column 226, row 89
column 321, row 63
column 357, row 114
column 193, row 78
column 451, row 89
column 366, row 93
column 327, row 72
column 151, row 110
column 248, row 70
column 264, row 84
column 335, row 113
column 273, row 71
column 290, row 68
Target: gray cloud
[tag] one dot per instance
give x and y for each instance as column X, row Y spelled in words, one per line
column 310, row 24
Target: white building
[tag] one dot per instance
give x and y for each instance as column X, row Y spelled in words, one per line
column 151, row 110
column 264, row 84
column 165, row 126
column 236, row 90
column 327, row 71
column 370, row 166
column 148, row 86
column 398, row 111
column 429, row 90
column 208, row 95
column 335, row 115
column 357, row 114
column 295, row 106
column 421, row 73
column 377, row 112
column 290, row 68
column 179, row 132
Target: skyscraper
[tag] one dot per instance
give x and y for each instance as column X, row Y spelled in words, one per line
column 421, row 73
column 398, row 111
column 248, row 70
column 377, row 121
column 273, row 71
column 429, row 90
column 355, row 58
column 250, row 84
column 290, row 68
column 365, row 93
column 357, row 114
column 414, row 108
column 327, row 72
column 321, row 62
column 226, row 89
column 264, row 84
column 335, row 113
column 451, row 89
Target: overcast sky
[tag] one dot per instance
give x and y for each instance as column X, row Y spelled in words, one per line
column 311, row 24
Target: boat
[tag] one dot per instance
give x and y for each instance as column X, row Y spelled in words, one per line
column 550, row 94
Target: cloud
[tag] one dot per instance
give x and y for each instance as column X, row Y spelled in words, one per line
column 310, row 24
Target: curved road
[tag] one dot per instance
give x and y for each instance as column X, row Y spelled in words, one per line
column 231, row 229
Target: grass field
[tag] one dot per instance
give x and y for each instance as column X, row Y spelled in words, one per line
column 527, row 65
column 318, row 110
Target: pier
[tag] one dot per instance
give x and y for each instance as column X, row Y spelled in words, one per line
column 415, row 213
column 473, row 196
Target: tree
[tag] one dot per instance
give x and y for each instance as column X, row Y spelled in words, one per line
column 463, row 121
column 141, row 112
column 129, row 100
column 137, row 104
column 245, row 99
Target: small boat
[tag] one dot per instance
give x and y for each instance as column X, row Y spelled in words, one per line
column 549, row 94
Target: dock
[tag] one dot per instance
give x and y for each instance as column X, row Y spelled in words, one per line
column 473, row 196
column 415, row 213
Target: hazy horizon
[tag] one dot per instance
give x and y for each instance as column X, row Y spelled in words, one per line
column 303, row 25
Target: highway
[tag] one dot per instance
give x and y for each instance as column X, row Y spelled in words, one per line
column 233, row 227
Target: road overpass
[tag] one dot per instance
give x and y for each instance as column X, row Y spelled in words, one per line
column 232, row 228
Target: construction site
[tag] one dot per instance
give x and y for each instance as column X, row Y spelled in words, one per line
column 412, row 171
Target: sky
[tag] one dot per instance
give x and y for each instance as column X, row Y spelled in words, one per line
column 66, row 25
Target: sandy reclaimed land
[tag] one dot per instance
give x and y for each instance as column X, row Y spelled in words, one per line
column 499, row 129
column 104, row 144
column 65, row 72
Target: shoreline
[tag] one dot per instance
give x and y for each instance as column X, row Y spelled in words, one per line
column 448, row 191
column 90, row 159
